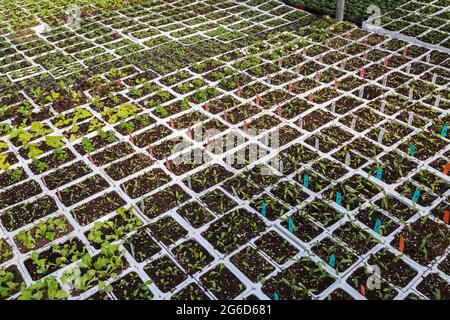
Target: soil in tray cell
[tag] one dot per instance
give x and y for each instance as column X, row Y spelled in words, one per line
column 394, row 167
column 395, row 208
column 218, row 201
column 54, row 258
column 289, row 193
column 299, row 281
column 83, row 190
column 339, row 294
column 66, row 174
column 408, row 189
column 25, row 213
column 124, row 168
column 19, row 193
column 276, row 247
column 151, row 136
column 424, row 240
column 369, row 216
column 444, row 266
column 145, row 183
column 10, row 281
column 233, row 230
column 392, row 268
column 11, row 177
column 99, row 141
column 42, row 234
column 360, row 278
column 222, row 283
column 329, row 169
column 274, row 209
column 113, row 229
column 167, row 230
column 191, row 292
column 303, row 227
column 434, row 287
column 97, row 208
column 131, row 287
column 252, row 264
column 195, row 214
column 165, row 273
column 356, row 239
column 141, row 246
column 112, row 153
column 240, row 187
column 192, row 256
column 327, row 247
column 162, row 201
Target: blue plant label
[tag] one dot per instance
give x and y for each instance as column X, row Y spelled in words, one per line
column 416, row 195
column 264, row 209
column 379, row 173
column 332, row 261
column 276, row 296
column 338, row 198
column 444, row 131
column 377, row 226
column 291, row 225
column 306, row 181
column 412, row 149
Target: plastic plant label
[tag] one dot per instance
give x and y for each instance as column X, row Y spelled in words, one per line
column 332, row 261
column 444, row 131
column 416, row 195
column 412, row 149
column 291, row 225
column 264, row 209
column 377, row 226
column 338, row 198
column 379, row 173
column 446, row 168
column 306, row 181
column 276, row 296
column 362, row 290
column 401, row 245
column 446, row 216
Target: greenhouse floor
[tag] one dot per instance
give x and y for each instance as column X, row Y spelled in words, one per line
column 243, row 150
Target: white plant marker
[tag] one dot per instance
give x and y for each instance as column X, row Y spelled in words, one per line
column 411, row 93
column 347, row 159
column 410, row 117
column 142, row 205
column 317, row 143
column 353, row 125
column 408, row 68
column 385, row 81
column 361, row 92
column 281, row 166
column 300, row 123
column 380, row 136
column 333, row 106
column 437, row 101
column 433, row 80
column 189, row 182
column 383, row 105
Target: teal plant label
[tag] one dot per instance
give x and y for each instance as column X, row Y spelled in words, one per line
column 332, row 261
column 412, row 149
column 306, row 181
column 338, row 198
column 379, row 173
column 264, row 209
column 377, row 226
column 291, row 225
column 444, row 131
column 276, row 296
column 416, row 195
